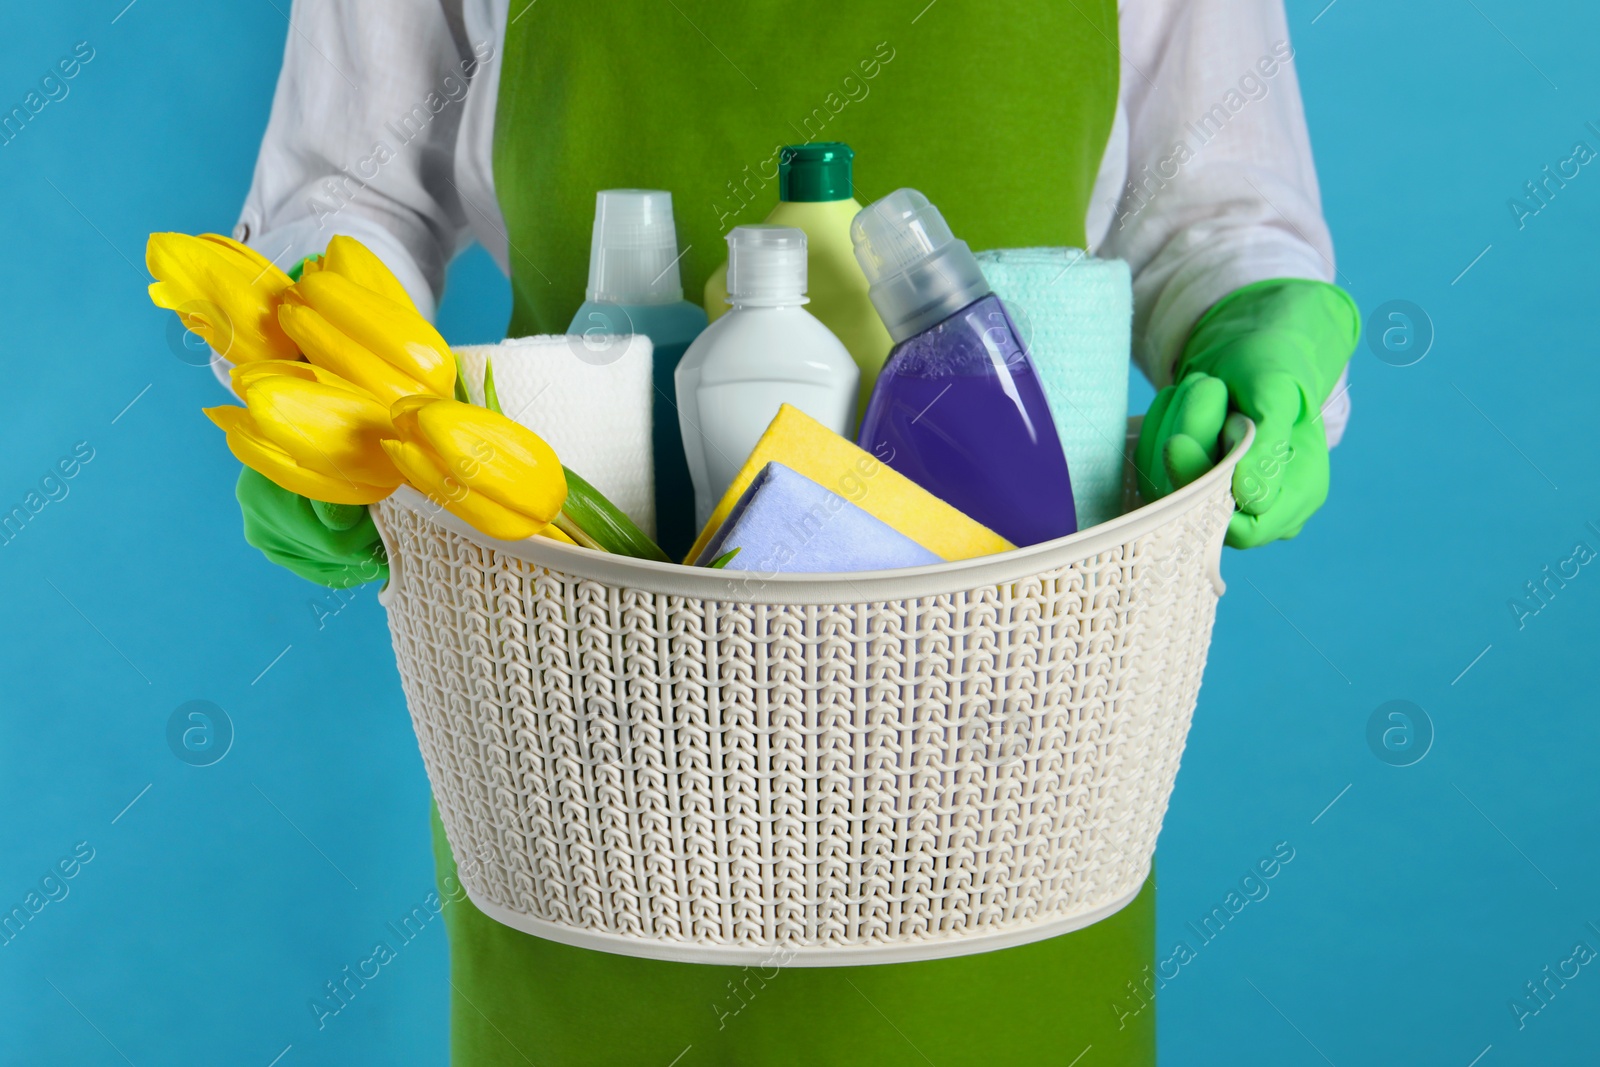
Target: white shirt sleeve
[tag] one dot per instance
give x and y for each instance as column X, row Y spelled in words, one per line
column 1208, row 182
column 363, row 136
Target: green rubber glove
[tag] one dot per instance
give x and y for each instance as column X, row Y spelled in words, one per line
column 1271, row 352
column 335, row 545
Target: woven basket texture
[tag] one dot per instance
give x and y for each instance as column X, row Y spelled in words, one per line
column 718, row 768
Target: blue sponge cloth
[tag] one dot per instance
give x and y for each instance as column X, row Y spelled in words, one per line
column 787, row 523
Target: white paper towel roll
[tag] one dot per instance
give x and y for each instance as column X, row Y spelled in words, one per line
column 591, row 406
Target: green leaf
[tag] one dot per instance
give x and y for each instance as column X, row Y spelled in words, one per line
column 603, row 521
column 491, row 399
column 461, row 380
column 723, row 560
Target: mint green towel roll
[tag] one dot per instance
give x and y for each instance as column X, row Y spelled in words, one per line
column 1075, row 313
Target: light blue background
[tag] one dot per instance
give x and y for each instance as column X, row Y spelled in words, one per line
column 1416, row 906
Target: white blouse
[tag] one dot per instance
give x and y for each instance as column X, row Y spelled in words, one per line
column 382, row 128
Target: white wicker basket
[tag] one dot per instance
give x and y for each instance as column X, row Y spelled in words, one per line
column 718, row 767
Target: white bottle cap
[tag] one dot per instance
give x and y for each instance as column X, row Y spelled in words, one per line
column 919, row 273
column 766, row 266
column 633, row 258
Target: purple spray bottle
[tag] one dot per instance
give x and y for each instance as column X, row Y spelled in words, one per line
column 958, row 407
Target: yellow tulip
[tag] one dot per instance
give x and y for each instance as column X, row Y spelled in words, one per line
column 318, row 438
column 350, row 258
column 247, row 374
column 382, row 346
column 497, row 476
column 223, row 291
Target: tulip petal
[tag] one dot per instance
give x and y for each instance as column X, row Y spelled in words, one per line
column 424, row 472
column 262, row 456
column 221, row 294
column 228, row 418
column 394, row 332
column 284, row 472
column 206, row 320
column 247, row 374
column 351, row 259
column 325, row 428
column 403, row 414
column 499, row 458
column 328, row 347
column 272, row 277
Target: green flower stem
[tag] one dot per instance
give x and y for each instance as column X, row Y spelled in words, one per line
column 564, row 523
column 603, row 523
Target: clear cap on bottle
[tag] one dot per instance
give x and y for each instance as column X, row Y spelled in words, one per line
column 919, row 272
column 766, row 265
column 633, row 258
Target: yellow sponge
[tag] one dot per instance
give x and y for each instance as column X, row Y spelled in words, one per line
column 804, row 445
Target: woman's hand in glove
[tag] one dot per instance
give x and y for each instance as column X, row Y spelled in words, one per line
column 1270, row 352
column 335, row 545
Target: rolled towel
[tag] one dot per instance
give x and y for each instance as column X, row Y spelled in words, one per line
column 595, row 412
column 1076, row 316
column 787, row 523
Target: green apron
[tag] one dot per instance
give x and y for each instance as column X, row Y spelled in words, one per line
column 1000, row 113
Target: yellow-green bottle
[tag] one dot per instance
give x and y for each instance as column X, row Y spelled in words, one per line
column 814, row 195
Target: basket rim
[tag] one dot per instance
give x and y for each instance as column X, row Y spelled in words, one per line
column 858, row 587
column 784, row 954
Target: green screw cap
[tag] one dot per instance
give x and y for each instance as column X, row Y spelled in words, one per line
column 815, row 172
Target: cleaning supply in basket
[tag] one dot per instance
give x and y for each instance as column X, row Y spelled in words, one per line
column 959, row 408
column 815, row 194
column 595, row 415
column 766, row 352
column 807, row 447
column 635, row 288
column 1076, row 316
column 787, row 523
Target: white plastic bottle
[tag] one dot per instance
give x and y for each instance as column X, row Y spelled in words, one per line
column 768, row 351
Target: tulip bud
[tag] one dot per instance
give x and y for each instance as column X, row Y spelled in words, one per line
column 351, row 259
column 326, row 428
column 383, row 346
column 310, row 433
column 224, row 291
column 245, row 375
column 496, row 475
column 256, row 451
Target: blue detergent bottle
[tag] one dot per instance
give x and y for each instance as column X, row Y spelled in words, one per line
column 958, row 408
column 634, row 287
